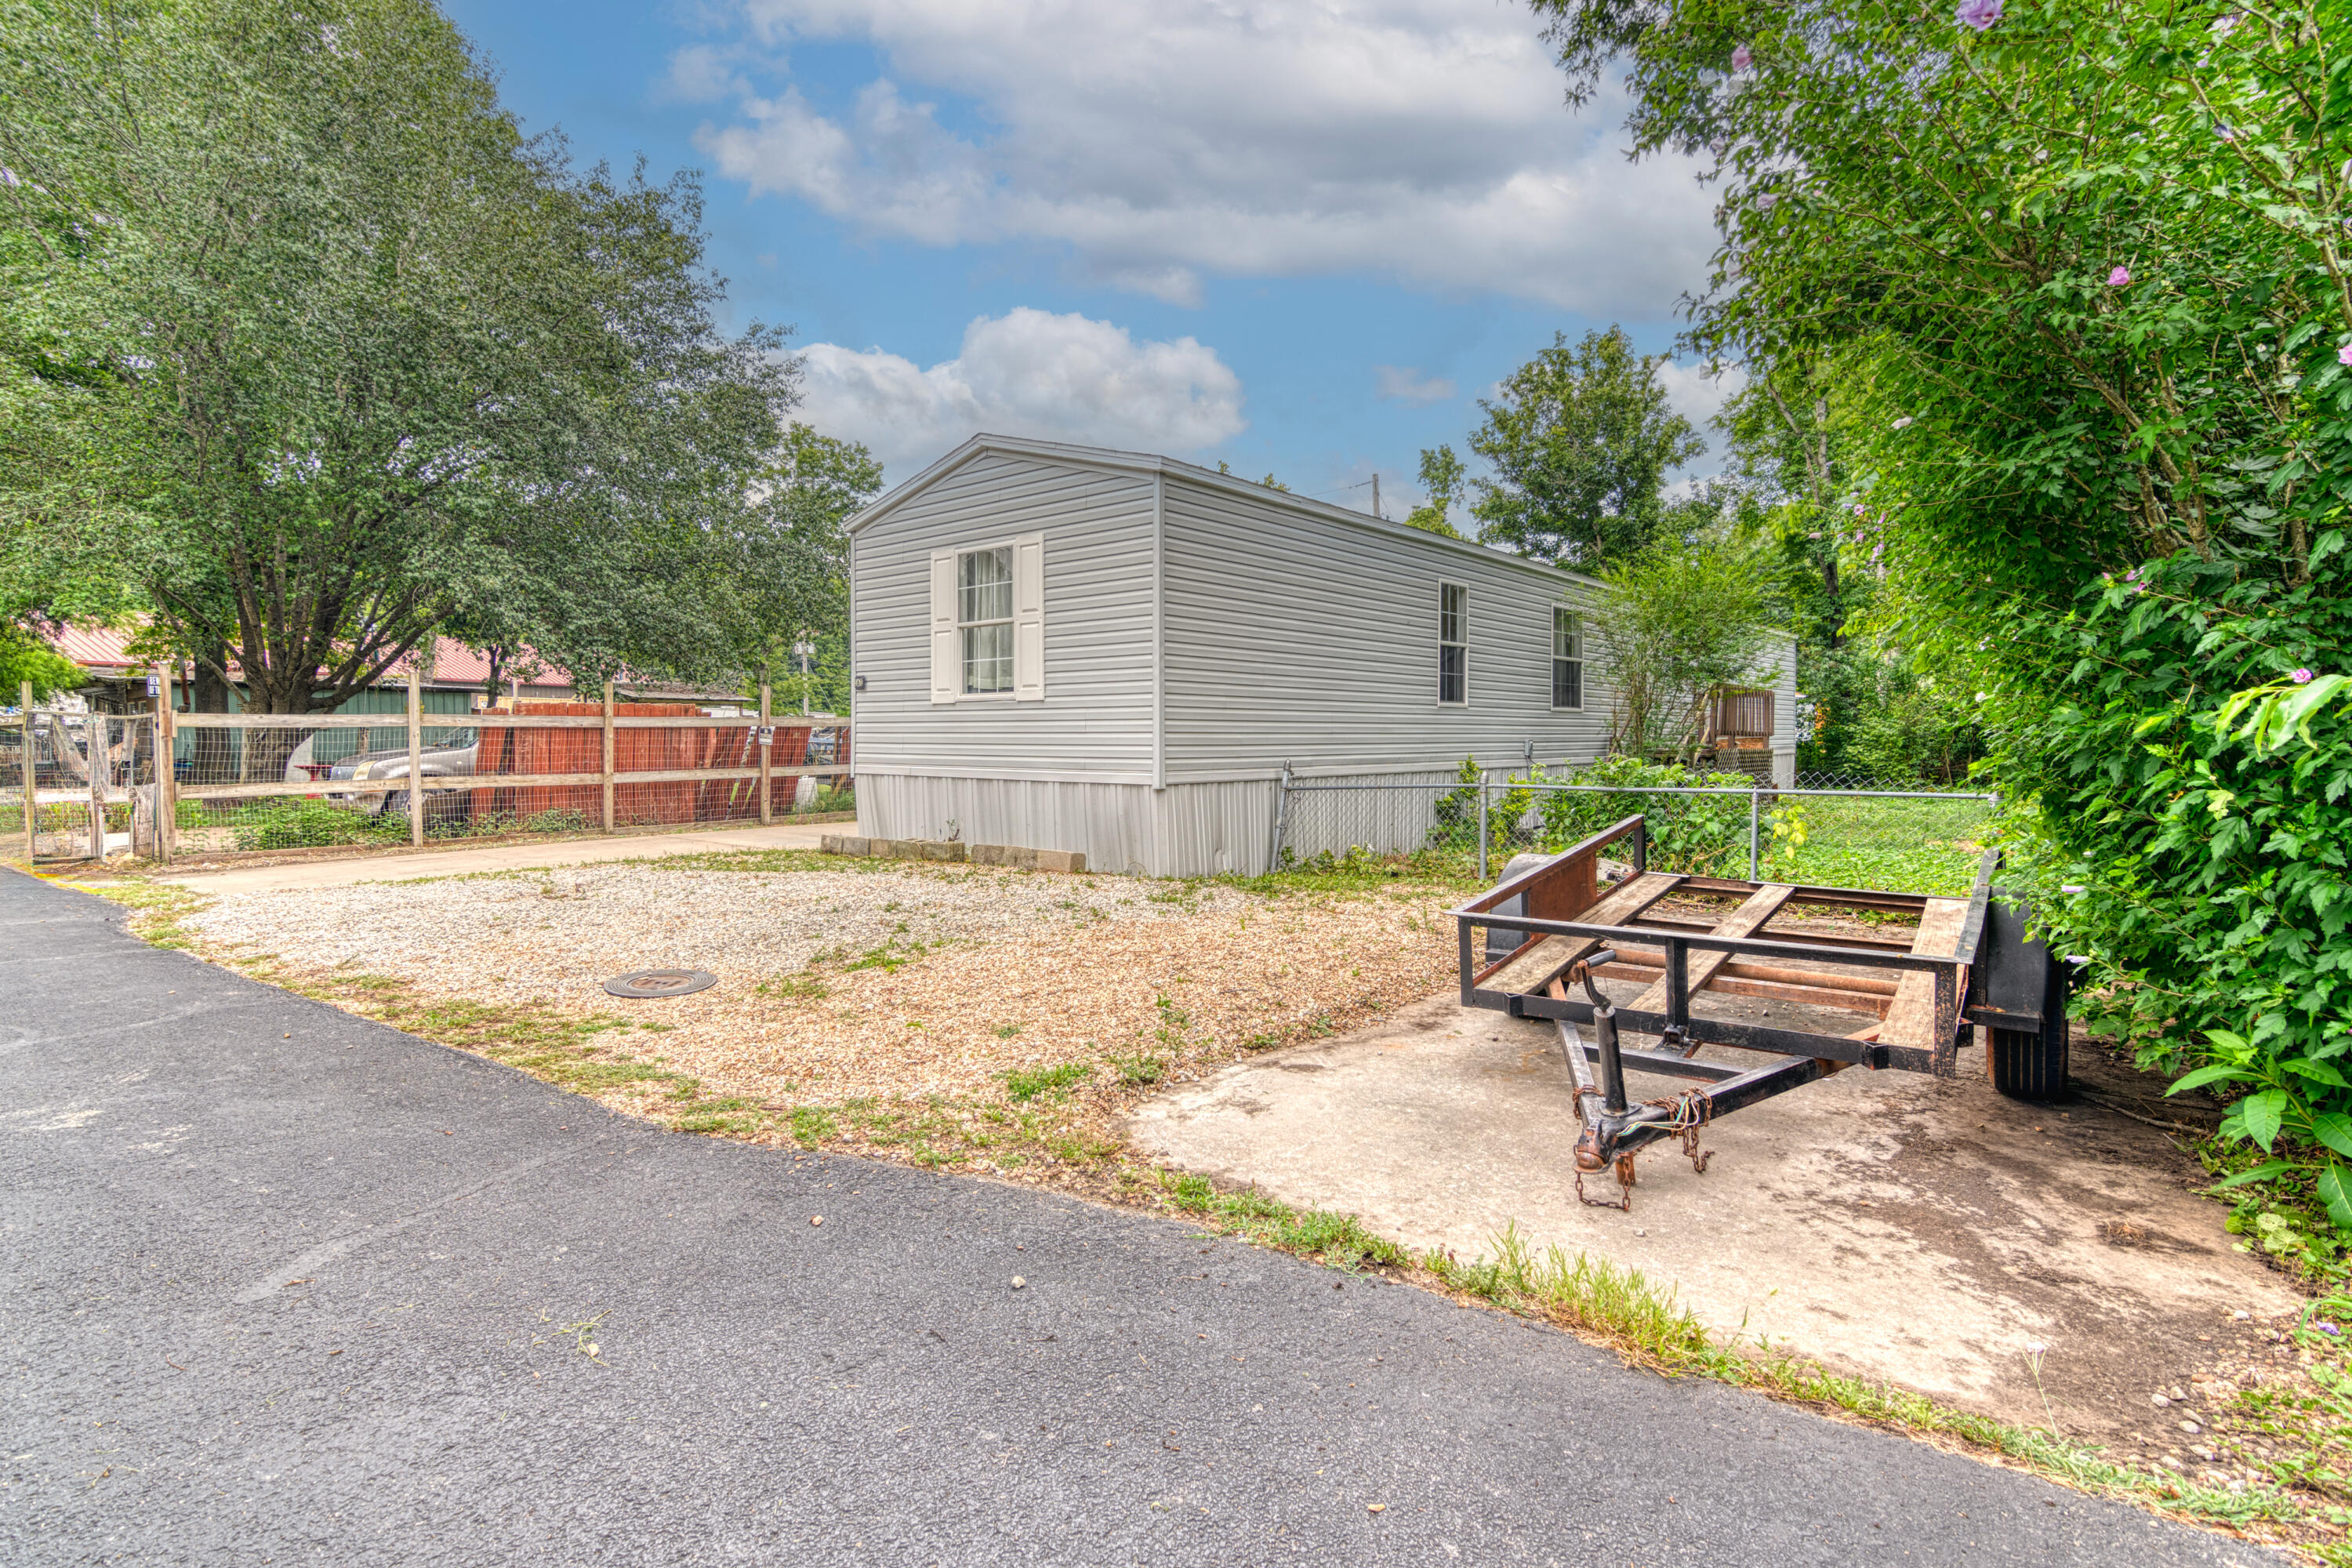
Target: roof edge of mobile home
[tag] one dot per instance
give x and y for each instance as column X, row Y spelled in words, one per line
column 1112, row 460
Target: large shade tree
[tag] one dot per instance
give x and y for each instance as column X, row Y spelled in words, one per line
column 320, row 354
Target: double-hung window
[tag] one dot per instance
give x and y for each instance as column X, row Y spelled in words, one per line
column 988, row 621
column 1452, row 643
column 985, row 619
column 1567, row 658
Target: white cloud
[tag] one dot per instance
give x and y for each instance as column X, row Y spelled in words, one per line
column 1697, row 396
column 1026, row 373
column 1402, row 384
column 1160, row 140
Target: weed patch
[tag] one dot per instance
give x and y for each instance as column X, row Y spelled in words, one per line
column 1025, row 1084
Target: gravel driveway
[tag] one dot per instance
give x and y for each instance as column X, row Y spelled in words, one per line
column 897, row 983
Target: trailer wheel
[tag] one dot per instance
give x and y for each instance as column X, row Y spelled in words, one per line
column 2031, row 1064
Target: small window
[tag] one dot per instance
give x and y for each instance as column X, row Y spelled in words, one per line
column 984, row 618
column 1567, row 658
column 1452, row 643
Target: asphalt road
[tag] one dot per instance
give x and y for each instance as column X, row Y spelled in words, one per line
column 277, row 1285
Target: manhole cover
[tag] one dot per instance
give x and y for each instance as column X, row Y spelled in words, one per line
column 660, row 982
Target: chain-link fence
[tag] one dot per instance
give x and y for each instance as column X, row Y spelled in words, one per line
column 1908, row 841
column 1869, row 783
column 85, row 785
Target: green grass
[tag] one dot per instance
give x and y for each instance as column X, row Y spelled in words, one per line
column 1025, row 1084
column 1904, row 846
column 156, row 908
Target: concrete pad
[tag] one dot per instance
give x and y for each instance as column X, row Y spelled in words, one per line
column 457, row 861
column 1919, row 1231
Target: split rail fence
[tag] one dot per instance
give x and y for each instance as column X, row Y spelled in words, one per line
column 88, row 784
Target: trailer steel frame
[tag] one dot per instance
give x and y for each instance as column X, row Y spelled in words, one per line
column 1972, row 963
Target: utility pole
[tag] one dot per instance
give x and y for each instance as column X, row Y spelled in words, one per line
column 1376, row 494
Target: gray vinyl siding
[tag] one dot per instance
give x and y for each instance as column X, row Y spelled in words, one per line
column 1096, row 721
column 1301, row 638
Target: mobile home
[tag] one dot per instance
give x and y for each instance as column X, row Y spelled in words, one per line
column 1067, row 647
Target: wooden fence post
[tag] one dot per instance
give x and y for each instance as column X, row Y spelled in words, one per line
column 32, row 777
column 608, row 756
column 99, row 755
column 415, row 757
column 167, row 777
column 767, row 757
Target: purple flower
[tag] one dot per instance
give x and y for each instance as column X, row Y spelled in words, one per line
column 1742, row 60
column 2301, row 678
column 1978, row 14
column 2119, row 278
column 2225, row 131
column 2328, row 1329
column 2344, row 355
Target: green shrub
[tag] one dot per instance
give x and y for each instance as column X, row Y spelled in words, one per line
column 1704, row 834
column 310, row 824
column 2199, row 846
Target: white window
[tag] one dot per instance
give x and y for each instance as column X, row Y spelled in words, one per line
column 988, row 621
column 985, row 620
column 1567, row 658
column 1452, row 643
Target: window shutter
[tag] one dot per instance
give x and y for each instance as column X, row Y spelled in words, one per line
column 1029, row 618
column 947, row 664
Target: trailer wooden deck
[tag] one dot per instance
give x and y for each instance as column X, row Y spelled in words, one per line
column 1911, row 990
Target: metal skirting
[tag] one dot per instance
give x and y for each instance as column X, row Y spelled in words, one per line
column 1200, row 829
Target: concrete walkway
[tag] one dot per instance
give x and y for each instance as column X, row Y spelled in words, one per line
column 457, row 862
column 285, row 1285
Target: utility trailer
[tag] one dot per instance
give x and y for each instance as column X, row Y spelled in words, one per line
column 1556, row 925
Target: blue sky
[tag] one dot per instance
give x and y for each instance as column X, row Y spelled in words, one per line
column 1299, row 236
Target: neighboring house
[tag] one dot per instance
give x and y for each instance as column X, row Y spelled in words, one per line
column 1065, row 648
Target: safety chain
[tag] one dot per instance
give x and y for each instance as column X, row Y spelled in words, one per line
column 1686, row 1113
column 1624, row 1188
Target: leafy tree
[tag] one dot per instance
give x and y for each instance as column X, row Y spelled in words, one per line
column 1580, row 440
column 26, row 657
column 2078, row 272
column 1681, row 621
column 1442, row 476
column 793, row 575
column 326, row 355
